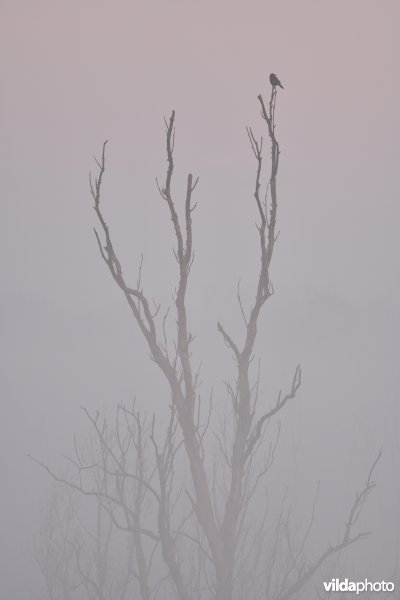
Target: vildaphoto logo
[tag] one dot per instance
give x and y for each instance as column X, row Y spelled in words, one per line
column 344, row 585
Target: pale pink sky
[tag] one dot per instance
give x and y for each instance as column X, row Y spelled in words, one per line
column 76, row 72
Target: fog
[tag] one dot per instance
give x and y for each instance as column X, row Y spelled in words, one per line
column 77, row 73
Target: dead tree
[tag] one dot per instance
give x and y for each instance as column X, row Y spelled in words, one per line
column 75, row 546
column 222, row 537
column 54, row 550
column 216, row 520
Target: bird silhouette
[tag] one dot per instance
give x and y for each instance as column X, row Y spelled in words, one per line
column 275, row 81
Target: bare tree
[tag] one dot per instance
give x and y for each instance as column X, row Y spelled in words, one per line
column 53, row 547
column 75, row 546
column 200, row 528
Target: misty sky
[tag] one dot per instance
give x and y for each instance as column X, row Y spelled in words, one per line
column 75, row 73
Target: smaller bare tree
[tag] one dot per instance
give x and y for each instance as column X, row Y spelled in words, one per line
column 54, row 546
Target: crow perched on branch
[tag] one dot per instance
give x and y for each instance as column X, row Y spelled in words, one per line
column 275, row 81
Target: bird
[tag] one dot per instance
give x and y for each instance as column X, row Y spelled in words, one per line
column 275, row 81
